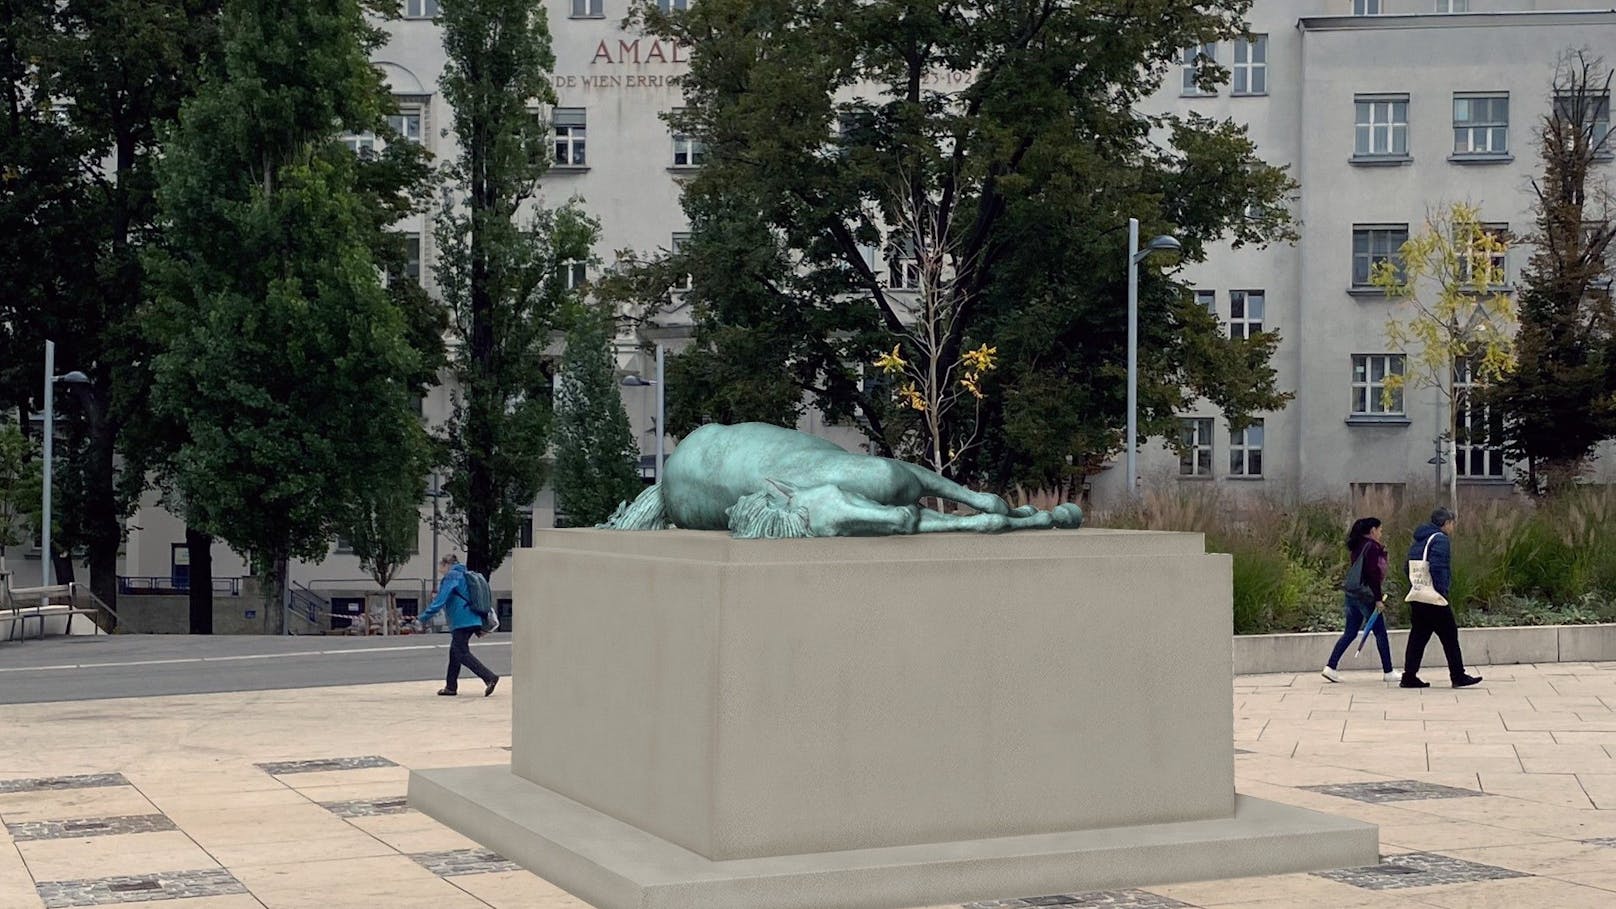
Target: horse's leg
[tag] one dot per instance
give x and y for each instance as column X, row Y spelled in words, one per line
column 1061, row 516
column 935, row 484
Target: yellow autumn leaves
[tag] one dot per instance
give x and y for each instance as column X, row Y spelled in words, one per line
column 975, row 362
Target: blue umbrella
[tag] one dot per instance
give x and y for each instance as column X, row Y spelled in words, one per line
column 1366, row 628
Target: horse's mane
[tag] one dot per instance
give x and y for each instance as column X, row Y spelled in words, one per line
column 765, row 516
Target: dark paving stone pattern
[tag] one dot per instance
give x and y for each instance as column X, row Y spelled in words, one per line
column 317, row 765
column 1112, row 899
column 464, row 861
column 1601, row 841
column 80, row 781
column 1393, row 791
column 1419, row 869
column 368, row 807
column 79, row 828
column 139, row 888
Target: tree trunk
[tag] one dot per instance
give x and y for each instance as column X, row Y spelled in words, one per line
column 199, row 546
column 276, row 599
column 483, row 406
column 105, row 531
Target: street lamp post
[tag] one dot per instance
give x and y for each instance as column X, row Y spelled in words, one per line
column 1135, row 256
column 51, row 378
column 661, row 403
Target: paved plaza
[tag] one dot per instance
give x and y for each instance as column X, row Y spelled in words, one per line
column 1503, row 795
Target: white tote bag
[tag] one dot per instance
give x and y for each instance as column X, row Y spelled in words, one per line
column 1420, row 588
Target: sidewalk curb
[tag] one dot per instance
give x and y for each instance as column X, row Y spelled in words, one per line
column 1255, row 654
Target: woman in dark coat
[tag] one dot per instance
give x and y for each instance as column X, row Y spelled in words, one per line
column 1363, row 542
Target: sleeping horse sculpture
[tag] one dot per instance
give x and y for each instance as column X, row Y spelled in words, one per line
column 763, row 482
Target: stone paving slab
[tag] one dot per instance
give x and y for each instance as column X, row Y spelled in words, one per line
column 139, row 888
column 1109, row 899
column 464, row 861
column 1419, row 869
column 318, row 765
column 86, row 827
column 368, row 807
column 49, row 783
column 1392, row 791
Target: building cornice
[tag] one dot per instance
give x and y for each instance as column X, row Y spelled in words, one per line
column 1505, row 19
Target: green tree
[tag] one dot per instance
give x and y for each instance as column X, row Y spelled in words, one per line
column 120, row 70
column 596, row 458
column 1461, row 323
column 499, row 268
column 283, row 356
column 1559, row 400
column 1013, row 130
column 19, row 490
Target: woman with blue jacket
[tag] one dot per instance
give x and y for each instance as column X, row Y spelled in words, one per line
column 454, row 599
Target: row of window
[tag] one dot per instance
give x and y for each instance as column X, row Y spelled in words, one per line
column 1246, row 310
column 1378, row 7
column 571, row 127
column 1376, row 243
column 1196, row 452
column 1480, row 124
column 1248, row 73
column 581, row 9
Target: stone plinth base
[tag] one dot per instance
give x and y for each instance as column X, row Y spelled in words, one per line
column 613, row 865
column 806, row 724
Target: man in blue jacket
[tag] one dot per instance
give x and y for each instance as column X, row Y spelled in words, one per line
column 454, row 597
column 1426, row 619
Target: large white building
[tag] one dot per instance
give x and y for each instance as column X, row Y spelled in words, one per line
column 1383, row 109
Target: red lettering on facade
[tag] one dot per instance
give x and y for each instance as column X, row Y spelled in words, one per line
column 628, row 51
column 655, row 53
column 602, row 52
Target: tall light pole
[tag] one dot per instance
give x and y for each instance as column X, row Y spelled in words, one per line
column 661, row 402
column 51, row 378
column 1135, row 256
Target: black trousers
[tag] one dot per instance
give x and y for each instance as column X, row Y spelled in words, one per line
column 460, row 655
column 1424, row 621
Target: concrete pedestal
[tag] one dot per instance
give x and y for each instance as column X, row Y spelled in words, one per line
column 701, row 721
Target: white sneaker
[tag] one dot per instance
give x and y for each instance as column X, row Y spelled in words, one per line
column 1394, row 676
column 1331, row 674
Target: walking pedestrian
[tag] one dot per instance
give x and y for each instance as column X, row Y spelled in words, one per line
column 1364, row 596
column 454, row 598
column 1428, row 607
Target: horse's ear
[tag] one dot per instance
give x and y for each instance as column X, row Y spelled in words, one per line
column 779, row 489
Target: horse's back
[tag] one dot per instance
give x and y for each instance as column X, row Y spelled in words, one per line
column 715, row 465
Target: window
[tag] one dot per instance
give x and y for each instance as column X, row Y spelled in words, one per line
column 420, row 9
column 588, row 9
column 688, row 151
column 1208, row 299
column 574, row 275
column 1245, row 313
column 407, row 123
column 1481, row 124
column 1369, row 372
column 1591, row 111
column 1366, row 7
column 569, row 125
column 361, row 144
column 1497, row 260
column 686, row 281
column 903, row 269
column 1251, row 65
column 1375, row 244
column 412, row 257
column 1245, row 450
column 1195, row 441
column 1478, row 451
column 1381, row 127
column 524, row 529
column 669, row 6
column 1191, row 60
column 1453, row 6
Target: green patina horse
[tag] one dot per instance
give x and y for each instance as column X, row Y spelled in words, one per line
column 761, row 481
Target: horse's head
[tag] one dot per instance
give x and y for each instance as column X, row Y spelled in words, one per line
column 782, row 510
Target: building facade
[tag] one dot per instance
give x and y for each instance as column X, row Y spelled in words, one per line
column 1383, row 110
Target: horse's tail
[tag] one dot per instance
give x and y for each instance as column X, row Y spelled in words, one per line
column 646, row 512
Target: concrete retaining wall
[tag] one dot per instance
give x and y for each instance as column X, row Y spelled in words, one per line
column 1259, row 653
